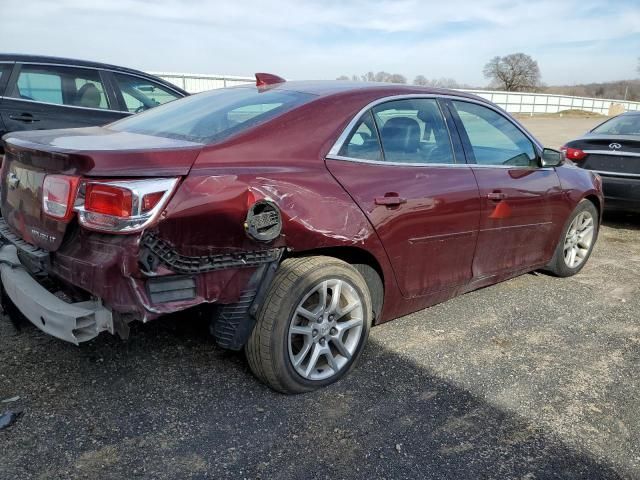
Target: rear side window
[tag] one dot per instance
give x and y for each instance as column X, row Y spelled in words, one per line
column 214, row 115
column 140, row 94
column 621, row 125
column 363, row 141
column 61, row 85
column 413, row 131
column 494, row 139
column 5, row 70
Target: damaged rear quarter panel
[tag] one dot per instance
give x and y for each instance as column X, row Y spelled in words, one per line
column 283, row 163
column 208, row 213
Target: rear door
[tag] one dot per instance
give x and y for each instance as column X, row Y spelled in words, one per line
column 522, row 203
column 5, row 73
column 42, row 97
column 399, row 164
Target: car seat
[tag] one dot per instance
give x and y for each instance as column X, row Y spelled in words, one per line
column 88, row 96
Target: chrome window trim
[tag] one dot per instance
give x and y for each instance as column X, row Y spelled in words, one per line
column 611, row 152
column 65, row 105
column 437, row 165
column 333, row 152
column 104, row 69
column 399, row 164
column 512, row 167
column 615, row 174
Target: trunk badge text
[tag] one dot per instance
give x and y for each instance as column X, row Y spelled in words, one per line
column 13, row 181
column 615, row 146
column 43, row 236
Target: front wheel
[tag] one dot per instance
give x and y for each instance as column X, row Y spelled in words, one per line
column 577, row 241
column 312, row 327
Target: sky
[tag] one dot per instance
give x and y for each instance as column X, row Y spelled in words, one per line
column 574, row 41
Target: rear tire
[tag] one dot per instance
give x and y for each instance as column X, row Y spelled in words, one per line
column 312, row 327
column 577, row 241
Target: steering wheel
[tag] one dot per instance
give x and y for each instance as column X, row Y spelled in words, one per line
column 141, row 108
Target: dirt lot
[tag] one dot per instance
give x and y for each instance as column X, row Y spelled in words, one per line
column 554, row 131
column 534, row 378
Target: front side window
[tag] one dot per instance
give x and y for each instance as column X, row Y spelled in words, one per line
column 61, row 85
column 494, row 139
column 214, row 115
column 140, row 94
column 413, row 131
column 363, row 141
column 620, row 125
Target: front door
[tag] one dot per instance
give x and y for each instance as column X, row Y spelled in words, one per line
column 521, row 202
column 399, row 166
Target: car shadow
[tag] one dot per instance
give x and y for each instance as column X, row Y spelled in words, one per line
column 622, row 220
column 169, row 404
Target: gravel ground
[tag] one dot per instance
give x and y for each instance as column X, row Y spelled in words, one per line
column 554, row 131
column 532, row 378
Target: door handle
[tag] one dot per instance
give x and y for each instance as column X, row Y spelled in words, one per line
column 496, row 196
column 390, row 200
column 25, row 117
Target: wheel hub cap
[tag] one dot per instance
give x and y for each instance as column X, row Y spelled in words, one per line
column 326, row 329
column 579, row 239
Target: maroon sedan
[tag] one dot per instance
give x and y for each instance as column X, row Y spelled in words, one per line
column 294, row 214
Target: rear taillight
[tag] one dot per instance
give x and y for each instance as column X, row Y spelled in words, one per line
column 108, row 200
column 58, row 196
column 125, row 206
column 574, row 154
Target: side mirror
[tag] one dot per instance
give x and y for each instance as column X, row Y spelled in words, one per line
column 551, row 158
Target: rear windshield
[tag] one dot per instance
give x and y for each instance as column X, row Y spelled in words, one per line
column 212, row 116
column 621, row 125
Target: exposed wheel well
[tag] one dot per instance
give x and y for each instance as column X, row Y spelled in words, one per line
column 596, row 201
column 357, row 257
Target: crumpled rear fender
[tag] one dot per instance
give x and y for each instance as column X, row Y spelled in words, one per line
column 208, row 213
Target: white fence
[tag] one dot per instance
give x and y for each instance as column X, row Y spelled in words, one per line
column 195, row 83
column 513, row 102
column 516, row 102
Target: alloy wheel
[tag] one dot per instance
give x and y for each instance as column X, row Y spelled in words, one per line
column 325, row 330
column 579, row 239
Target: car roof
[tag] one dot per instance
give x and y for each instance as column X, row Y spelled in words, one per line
column 25, row 58
column 323, row 88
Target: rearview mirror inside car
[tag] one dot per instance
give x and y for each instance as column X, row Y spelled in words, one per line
column 551, row 157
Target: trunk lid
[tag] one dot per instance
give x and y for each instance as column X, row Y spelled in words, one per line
column 90, row 152
column 610, row 153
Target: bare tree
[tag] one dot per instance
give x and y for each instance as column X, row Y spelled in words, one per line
column 436, row 82
column 514, row 73
column 421, row 80
column 382, row 77
column 444, row 83
column 368, row 77
column 376, row 77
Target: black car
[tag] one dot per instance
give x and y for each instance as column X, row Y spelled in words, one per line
column 612, row 149
column 39, row 93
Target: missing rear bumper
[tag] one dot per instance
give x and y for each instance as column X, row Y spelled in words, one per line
column 72, row 322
